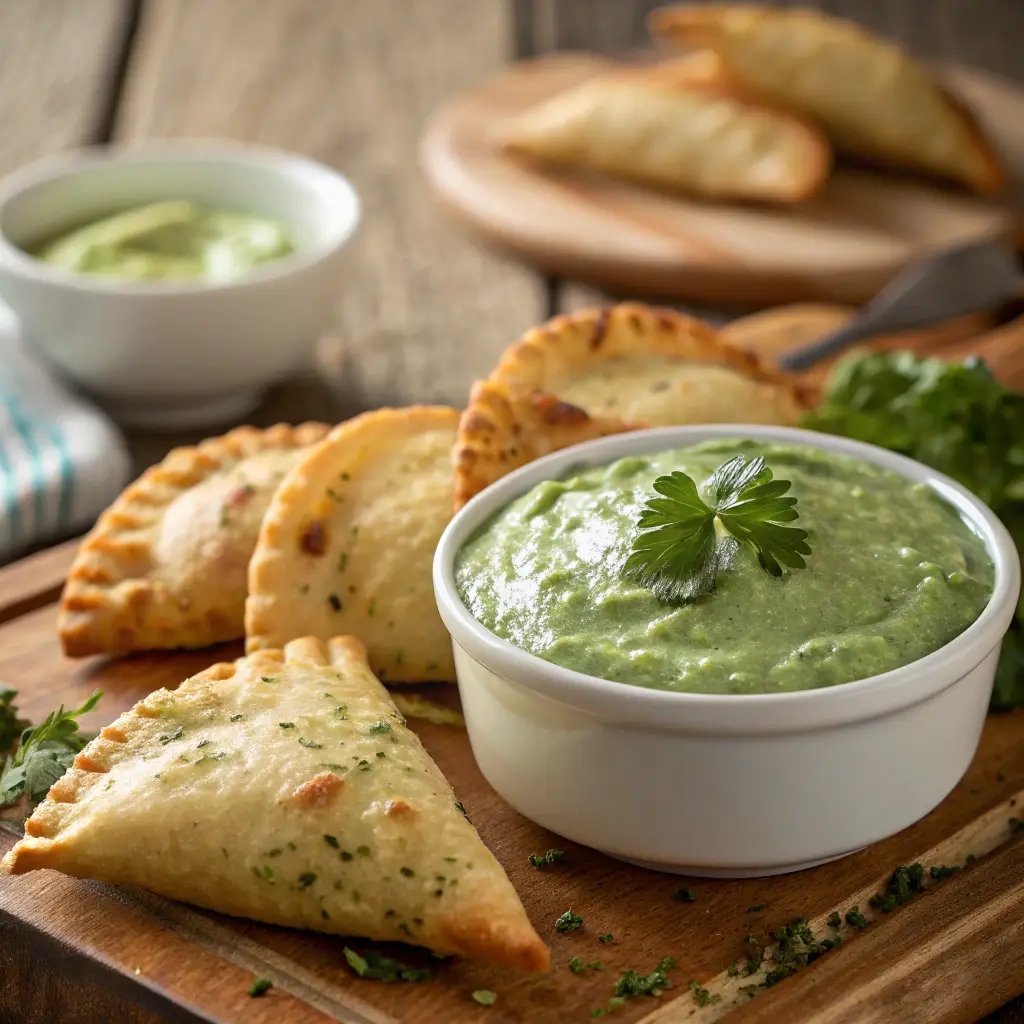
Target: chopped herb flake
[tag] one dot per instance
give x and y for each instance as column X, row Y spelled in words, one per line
column 485, row 997
column 756, row 908
column 310, row 744
column 684, row 895
column 259, row 987
column 334, row 601
column 855, row 919
column 701, row 996
column 332, row 842
column 542, row 860
column 408, row 872
column 236, row 718
column 607, row 937
column 286, row 725
column 834, row 920
column 568, row 922
column 306, row 879
column 380, row 727
column 383, row 968
column 941, row 873
column 904, row 884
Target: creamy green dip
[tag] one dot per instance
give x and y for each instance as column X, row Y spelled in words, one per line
column 172, row 240
column 894, row 574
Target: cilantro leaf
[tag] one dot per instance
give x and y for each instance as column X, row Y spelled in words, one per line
column 678, row 551
column 10, row 725
column 383, row 968
column 44, row 754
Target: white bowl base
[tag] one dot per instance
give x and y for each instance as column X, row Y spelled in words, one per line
column 203, row 412
column 699, row 871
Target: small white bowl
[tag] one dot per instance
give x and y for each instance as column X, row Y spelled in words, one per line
column 177, row 353
column 725, row 786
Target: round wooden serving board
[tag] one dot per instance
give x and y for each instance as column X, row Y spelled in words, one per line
column 841, row 246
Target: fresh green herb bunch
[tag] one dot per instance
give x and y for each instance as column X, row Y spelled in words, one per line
column 43, row 754
column 955, row 417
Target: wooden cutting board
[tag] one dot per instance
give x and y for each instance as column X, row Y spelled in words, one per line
column 842, row 246
column 82, row 952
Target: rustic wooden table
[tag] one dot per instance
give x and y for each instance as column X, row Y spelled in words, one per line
column 421, row 310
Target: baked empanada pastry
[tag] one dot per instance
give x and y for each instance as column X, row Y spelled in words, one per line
column 166, row 564
column 646, row 365
column 677, row 131
column 348, row 542
column 286, row 788
column 501, row 430
column 871, row 97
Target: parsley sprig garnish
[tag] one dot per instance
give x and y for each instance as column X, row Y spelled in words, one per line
column 43, row 755
column 678, row 551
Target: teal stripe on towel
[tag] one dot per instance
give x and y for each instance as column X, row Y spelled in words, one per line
column 37, row 476
column 11, row 508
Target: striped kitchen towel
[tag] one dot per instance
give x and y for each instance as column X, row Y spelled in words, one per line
column 61, row 460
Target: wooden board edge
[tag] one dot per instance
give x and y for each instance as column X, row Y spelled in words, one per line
column 35, row 581
column 973, row 962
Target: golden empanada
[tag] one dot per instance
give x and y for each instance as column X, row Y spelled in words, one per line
column 166, row 564
column 286, row 788
column 348, row 543
column 872, row 98
column 501, row 430
column 646, row 365
column 675, row 130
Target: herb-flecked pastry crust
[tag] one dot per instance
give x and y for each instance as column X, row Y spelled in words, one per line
column 679, row 127
column 647, row 365
column 872, row 98
column 348, row 542
column 286, row 788
column 501, row 430
column 165, row 566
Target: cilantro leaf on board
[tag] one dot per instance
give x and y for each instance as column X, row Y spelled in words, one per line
column 383, row 968
column 678, row 551
column 44, row 753
column 10, row 725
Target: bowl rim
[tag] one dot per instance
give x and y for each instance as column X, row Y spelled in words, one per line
column 647, row 708
column 73, row 162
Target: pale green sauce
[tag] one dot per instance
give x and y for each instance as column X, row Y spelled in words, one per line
column 894, row 575
column 172, row 240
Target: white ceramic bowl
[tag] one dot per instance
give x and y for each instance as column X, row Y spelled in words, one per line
column 176, row 353
column 723, row 785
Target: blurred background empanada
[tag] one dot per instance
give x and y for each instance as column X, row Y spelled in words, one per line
column 680, row 127
column 872, row 98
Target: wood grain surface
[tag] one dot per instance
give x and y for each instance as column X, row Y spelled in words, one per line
column 56, row 60
column 167, row 961
column 843, row 245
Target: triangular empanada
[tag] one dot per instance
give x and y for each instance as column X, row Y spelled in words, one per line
column 501, row 430
column 166, row 564
column 645, row 364
column 286, row 788
column 677, row 130
column 347, row 545
column 872, row 98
